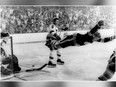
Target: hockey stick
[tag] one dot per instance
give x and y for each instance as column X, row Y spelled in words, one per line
column 33, row 69
column 36, row 69
column 28, row 70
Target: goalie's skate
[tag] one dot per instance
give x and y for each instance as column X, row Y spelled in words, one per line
column 51, row 65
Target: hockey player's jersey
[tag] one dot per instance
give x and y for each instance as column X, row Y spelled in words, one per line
column 4, row 35
column 53, row 28
column 110, row 70
column 82, row 39
column 51, row 40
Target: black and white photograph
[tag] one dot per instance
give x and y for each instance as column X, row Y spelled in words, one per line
column 57, row 43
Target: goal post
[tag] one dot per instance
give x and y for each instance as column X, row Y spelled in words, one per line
column 115, row 32
column 11, row 42
column 6, row 65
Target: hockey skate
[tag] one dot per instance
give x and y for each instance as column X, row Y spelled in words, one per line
column 60, row 62
column 51, row 65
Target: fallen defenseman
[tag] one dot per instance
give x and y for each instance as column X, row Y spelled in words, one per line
column 110, row 69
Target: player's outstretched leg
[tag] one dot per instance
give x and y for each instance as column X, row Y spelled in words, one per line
column 68, row 41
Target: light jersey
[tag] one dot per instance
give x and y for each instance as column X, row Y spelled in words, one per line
column 53, row 28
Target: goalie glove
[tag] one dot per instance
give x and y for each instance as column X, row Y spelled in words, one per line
column 4, row 35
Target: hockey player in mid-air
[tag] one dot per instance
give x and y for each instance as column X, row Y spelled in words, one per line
column 54, row 42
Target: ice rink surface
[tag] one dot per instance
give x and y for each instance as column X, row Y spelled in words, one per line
column 82, row 63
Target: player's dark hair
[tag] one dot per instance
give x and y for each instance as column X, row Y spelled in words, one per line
column 54, row 20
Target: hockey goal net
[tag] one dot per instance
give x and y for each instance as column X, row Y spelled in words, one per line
column 6, row 53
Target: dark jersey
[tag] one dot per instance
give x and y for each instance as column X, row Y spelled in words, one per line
column 80, row 39
column 4, row 35
column 110, row 69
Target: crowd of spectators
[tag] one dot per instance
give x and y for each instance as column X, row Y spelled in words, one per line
column 35, row 19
